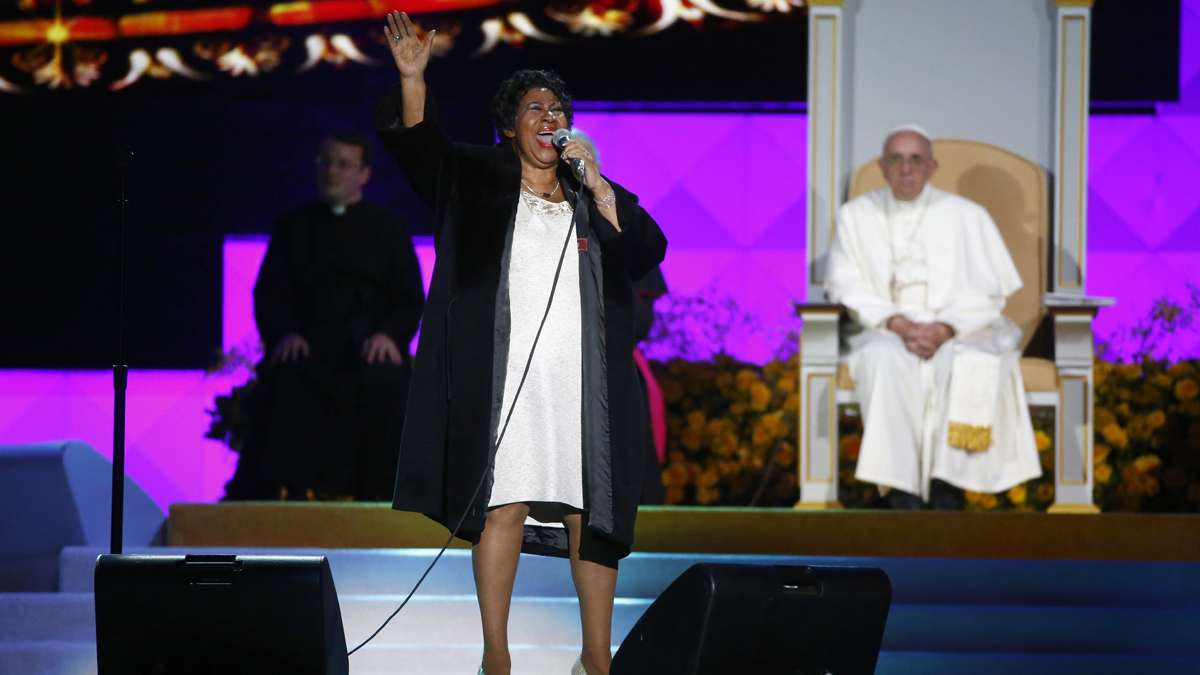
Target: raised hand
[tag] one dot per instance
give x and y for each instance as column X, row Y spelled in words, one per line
column 409, row 49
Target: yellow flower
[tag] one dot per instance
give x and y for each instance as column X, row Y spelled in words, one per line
column 1043, row 440
column 1045, row 492
column 792, row 402
column 1103, row 473
column 725, row 444
column 760, row 396
column 761, row 438
column 1115, row 435
column 692, row 438
column 1162, row 380
column 1150, row 485
column 1046, row 459
column 1123, row 410
column 1186, row 389
column 1138, row 428
column 773, row 423
column 773, row 369
column 675, row 475
column 1101, row 371
column 973, row 497
column 1147, row 463
column 1130, row 371
column 695, row 420
column 714, row 427
column 707, row 495
column 1099, row 453
column 849, row 445
column 1104, row 417
column 708, row 479
column 1017, row 495
column 746, row 378
column 786, row 384
column 1181, row 369
column 786, row 455
column 989, row 501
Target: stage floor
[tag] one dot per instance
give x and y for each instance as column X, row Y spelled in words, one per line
column 869, row 533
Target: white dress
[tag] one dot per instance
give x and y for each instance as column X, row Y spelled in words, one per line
column 540, row 458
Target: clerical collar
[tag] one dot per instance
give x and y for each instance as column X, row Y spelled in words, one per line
column 341, row 209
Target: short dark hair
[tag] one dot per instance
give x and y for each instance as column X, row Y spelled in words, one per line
column 514, row 87
column 353, row 138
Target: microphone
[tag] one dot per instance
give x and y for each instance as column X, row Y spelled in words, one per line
column 561, row 136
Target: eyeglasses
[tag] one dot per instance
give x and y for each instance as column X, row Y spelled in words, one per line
column 538, row 108
column 915, row 161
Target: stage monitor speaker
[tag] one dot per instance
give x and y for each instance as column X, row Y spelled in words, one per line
column 763, row 619
column 209, row 614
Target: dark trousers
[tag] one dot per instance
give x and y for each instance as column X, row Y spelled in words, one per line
column 321, row 433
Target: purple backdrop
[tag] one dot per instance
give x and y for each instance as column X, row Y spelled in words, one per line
column 728, row 189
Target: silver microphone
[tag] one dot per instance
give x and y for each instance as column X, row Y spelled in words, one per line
column 561, row 136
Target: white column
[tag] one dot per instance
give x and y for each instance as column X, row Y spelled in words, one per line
column 1072, row 43
column 1074, row 429
column 826, row 78
column 818, row 441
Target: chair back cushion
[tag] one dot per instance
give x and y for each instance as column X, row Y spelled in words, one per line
column 1014, row 191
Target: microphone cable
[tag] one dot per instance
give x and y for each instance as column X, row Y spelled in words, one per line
column 500, row 437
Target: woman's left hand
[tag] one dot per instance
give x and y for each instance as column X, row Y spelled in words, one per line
column 591, row 172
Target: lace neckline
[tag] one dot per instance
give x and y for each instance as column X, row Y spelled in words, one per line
column 545, row 207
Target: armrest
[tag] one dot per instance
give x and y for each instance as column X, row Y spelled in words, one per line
column 803, row 308
column 819, row 338
column 1063, row 304
column 1072, row 315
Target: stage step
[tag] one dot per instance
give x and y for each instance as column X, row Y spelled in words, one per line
column 948, row 615
column 453, row 620
column 77, row 658
column 645, row 575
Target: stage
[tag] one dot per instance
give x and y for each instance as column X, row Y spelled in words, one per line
column 739, row 531
column 981, row 593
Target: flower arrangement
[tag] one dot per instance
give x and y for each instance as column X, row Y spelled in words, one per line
column 731, row 430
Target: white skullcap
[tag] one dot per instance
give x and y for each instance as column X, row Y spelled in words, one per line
column 916, row 129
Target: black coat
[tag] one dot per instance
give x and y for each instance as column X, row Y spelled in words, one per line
column 461, row 357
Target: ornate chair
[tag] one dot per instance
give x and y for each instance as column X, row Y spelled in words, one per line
column 1057, row 332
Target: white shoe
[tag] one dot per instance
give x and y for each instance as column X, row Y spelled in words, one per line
column 577, row 669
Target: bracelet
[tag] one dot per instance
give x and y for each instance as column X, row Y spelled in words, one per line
column 606, row 202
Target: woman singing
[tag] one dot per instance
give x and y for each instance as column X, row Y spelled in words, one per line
column 524, row 245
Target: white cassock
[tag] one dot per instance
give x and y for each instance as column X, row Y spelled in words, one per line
column 936, row 258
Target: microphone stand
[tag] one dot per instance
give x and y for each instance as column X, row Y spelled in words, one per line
column 120, row 369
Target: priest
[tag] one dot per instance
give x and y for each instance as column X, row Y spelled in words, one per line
column 337, row 301
column 925, row 276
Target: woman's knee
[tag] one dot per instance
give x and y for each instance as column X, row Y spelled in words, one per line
column 509, row 515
